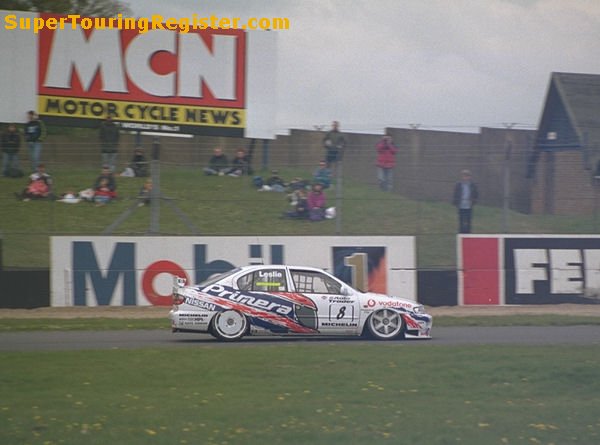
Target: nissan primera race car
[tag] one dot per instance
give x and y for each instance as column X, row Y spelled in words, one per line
column 288, row 300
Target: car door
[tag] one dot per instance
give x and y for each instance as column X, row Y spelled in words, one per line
column 336, row 313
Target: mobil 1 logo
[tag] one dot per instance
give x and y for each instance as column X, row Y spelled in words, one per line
column 552, row 270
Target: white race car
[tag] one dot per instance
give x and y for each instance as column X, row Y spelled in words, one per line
column 290, row 300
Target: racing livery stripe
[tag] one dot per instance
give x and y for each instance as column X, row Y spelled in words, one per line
column 410, row 322
column 296, row 298
column 267, row 316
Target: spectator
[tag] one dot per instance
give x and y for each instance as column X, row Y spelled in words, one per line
column 297, row 184
column 109, row 137
column 39, row 187
column 138, row 163
column 240, row 165
column 334, row 142
column 274, row 183
column 299, row 202
column 386, row 161
column 465, row 197
column 35, row 132
column 218, row 163
column 106, row 174
column 316, row 203
column 11, row 142
column 145, row 193
column 322, row 175
column 103, row 193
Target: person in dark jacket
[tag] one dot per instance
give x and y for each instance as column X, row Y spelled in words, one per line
column 109, row 138
column 218, row 164
column 35, row 132
column 465, row 197
column 11, row 142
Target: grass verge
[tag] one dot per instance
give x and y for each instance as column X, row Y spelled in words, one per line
column 301, row 394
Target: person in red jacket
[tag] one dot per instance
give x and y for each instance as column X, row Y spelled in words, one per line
column 386, row 161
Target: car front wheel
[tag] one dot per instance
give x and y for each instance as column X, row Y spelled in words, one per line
column 385, row 324
column 229, row 325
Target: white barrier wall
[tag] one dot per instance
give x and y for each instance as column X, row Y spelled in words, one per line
column 116, row 271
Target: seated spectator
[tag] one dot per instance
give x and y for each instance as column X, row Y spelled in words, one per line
column 240, row 164
column 299, row 202
column 297, row 184
column 103, row 194
column 39, row 187
column 105, row 187
column 316, row 203
column 138, row 167
column 274, row 183
column 218, row 164
column 322, row 175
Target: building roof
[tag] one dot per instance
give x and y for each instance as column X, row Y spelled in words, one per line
column 571, row 114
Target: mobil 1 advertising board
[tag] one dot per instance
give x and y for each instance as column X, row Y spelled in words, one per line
column 138, row 271
column 529, row 269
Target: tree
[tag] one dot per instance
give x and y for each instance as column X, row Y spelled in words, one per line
column 90, row 8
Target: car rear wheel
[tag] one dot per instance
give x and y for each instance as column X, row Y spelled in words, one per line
column 385, row 324
column 229, row 325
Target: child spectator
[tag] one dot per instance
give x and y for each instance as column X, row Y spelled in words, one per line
column 39, row 187
column 105, row 187
column 145, row 193
column 299, row 202
column 218, row 164
column 103, row 194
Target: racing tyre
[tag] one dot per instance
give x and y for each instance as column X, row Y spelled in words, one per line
column 229, row 325
column 385, row 324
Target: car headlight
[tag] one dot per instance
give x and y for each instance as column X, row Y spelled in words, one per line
column 420, row 309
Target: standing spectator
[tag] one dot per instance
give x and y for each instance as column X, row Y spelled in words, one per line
column 35, row 133
column 218, row 164
column 386, row 161
column 11, row 142
column 109, row 137
column 316, row 203
column 322, row 175
column 465, row 197
column 334, row 142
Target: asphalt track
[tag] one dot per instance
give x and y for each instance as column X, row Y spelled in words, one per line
column 449, row 336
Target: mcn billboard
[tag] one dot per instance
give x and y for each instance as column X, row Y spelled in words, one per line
column 204, row 81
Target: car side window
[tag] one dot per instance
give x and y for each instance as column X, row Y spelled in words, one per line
column 264, row 280
column 314, row 282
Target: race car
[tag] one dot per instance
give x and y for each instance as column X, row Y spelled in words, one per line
column 291, row 300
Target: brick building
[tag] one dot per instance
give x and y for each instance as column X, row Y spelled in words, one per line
column 567, row 147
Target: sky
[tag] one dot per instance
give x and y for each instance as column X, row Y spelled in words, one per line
column 437, row 64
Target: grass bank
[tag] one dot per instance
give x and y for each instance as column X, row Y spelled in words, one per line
column 300, row 394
